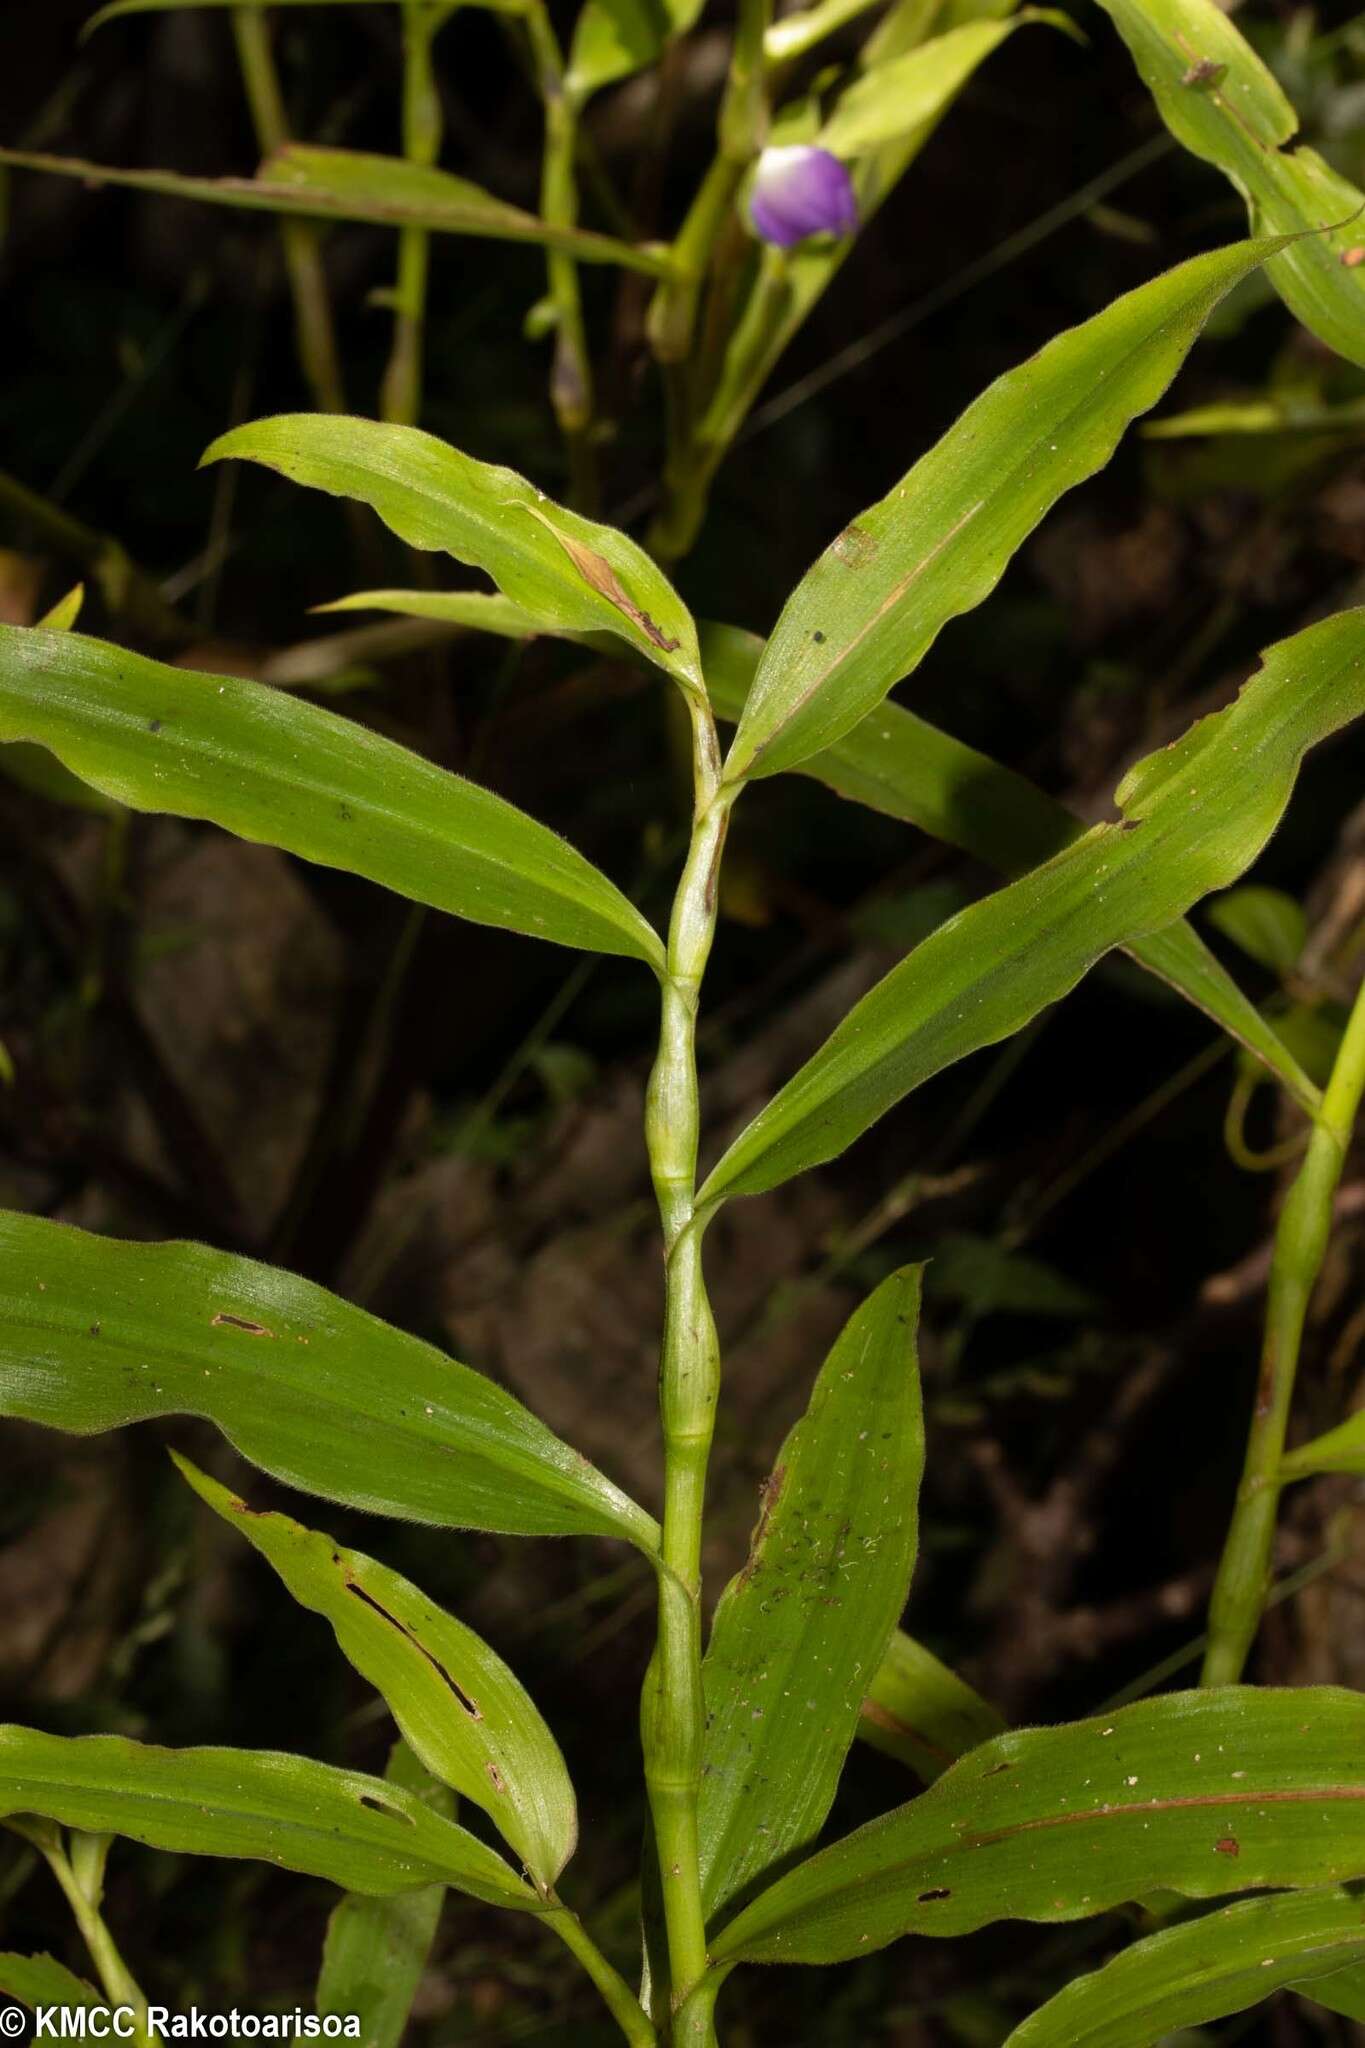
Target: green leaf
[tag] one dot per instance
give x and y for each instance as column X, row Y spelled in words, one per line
column 268, row 767
column 888, row 99
column 613, row 39
column 896, row 763
column 357, row 1831
column 873, row 604
column 568, row 571
column 1231, row 1789
column 1194, row 817
column 920, row 1712
column 1269, row 926
column 33, row 768
column 352, row 185
column 990, row 1279
column 799, row 1633
column 1338, row 1450
column 1219, row 101
column 458, row 1707
column 42, row 1980
column 376, row 1949
column 1340, row 1991
column 95, row 1334
column 1202, row 1970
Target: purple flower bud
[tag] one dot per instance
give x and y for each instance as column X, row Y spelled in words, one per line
column 799, row 191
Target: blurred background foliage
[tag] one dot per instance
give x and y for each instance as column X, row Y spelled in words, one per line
column 201, row 1038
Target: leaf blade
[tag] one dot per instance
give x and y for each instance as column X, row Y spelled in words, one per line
column 581, row 575
column 1055, row 1824
column 1194, row 818
column 457, row 1705
column 354, row 185
column 359, row 1832
column 96, row 1333
column 800, row 1632
column 1223, row 105
column 871, row 606
column 267, row 766
column 376, row 1949
column 922, row 1713
column 1202, row 1970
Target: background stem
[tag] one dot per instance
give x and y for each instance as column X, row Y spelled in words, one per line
column 571, row 381
column 401, row 392
column 299, row 239
column 1301, row 1240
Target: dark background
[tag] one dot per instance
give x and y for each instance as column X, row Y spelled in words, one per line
column 210, row 1040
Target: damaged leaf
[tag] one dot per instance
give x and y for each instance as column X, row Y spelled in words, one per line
column 458, row 1707
column 566, row 571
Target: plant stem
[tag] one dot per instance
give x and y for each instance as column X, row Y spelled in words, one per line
column 120, row 1986
column 299, row 239
column 571, row 382
column 695, row 2026
column 401, row 393
column 1301, row 1240
column 620, row 2000
column 672, row 1715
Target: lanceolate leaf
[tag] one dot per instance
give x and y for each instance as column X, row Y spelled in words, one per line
column 889, row 99
column 42, row 1980
column 361, row 1833
column 574, row 574
column 1202, row 1970
column 1219, row 100
column 800, row 1632
column 895, row 762
column 459, row 1708
column 376, row 1949
column 1232, row 1789
column 1194, row 818
column 95, row 1334
column 920, row 1712
column 875, row 601
column 349, row 184
column 268, row 767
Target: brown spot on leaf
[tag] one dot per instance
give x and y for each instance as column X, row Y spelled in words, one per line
column 940, row 1892
column 853, row 546
column 599, row 575
column 223, row 1321
column 1227, row 1845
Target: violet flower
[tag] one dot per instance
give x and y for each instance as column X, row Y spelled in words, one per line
column 800, row 190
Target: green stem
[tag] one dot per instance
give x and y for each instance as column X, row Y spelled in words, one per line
column 571, row 382
column 299, row 239
column 695, row 2025
column 620, row 2000
column 672, row 1715
column 401, row 392
column 120, row 1986
column 1301, row 1240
